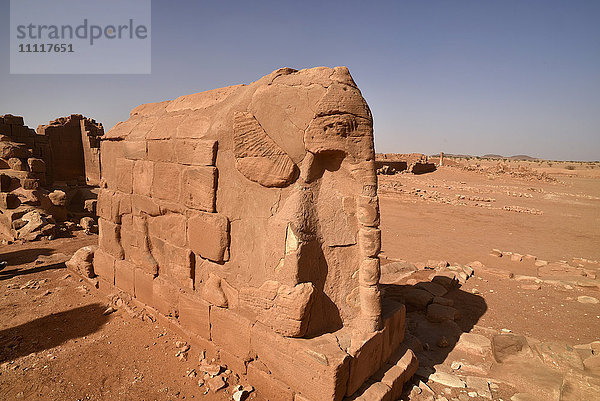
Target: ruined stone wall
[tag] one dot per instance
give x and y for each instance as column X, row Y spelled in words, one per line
column 249, row 215
column 29, row 208
column 416, row 163
column 91, row 134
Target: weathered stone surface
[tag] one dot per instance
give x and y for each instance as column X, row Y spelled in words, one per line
column 82, row 261
column 505, row 346
column 446, row 379
column 261, row 200
column 439, row 313
column 257, row 156
column 285, row 309
column 213, row 292
column 199, row 187
column 196, row 152
column 194, row 315
column 475, row 344
column 208, row 236
column 58, row 198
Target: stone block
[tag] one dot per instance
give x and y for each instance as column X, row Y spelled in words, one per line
column 144, row 206
column 143, row 174
column 208, row 236
column 199, row 186
column 194, row 316
column 406, row 359
column 124, row 173
column 161, row 151
column 144, row 283
column 439, row 313
column 125, row 276
column 267, row 387
column 104, row 266
column 175, row 263
column 316, row 367
column 375, row 392
column 109, row 238
column 231, row 331
column 169, row 227
column 9, row 200
column 393, row 331
column 393, row 377
column 134, row 150
column 196, row 152
column 234, row 363
column 167, row 181
column 366, row 351
column 165, row 297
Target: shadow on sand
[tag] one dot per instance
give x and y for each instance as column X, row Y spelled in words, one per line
column 50, row 331
column 24, row 256
column 433, row 339
column 8, row 274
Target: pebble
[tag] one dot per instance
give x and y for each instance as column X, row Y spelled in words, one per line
column 217, row 383
column 455, row 365
column 109, row 310
column 584, row 299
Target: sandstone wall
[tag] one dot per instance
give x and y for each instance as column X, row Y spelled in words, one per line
column 249, row 214
column 74, row 149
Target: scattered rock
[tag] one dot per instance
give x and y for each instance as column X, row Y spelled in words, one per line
column 442, row 342
column 584, row 299
column 434, row 289
column 417, row 297
column 109, row 310
column 481, row 385
column 540, row 263
column 533, row 287
column 474, row 344
column 505, row 346
column 446, row 379
column 217, row 383
column 476, row 265
column 516, row 257
column 212, row 370
column 242, row 393
column 592, row 364
column 443, row 301
column 58, row 198
column 496, row 252
column 439, row 313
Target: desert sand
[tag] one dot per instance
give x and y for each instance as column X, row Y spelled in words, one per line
column 59, row 341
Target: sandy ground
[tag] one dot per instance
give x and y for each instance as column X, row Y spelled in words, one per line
column 56, row 343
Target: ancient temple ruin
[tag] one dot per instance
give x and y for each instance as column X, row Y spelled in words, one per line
column 248, row 215
column 48, row 176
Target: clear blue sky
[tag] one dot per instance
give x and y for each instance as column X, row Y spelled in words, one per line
column 507, row 77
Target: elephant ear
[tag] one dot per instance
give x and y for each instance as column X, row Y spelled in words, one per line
column 257, row 156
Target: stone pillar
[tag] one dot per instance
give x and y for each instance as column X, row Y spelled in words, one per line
column 441, row 159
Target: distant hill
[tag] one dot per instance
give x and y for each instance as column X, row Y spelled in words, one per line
column 522, row 157
column 516, row 157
